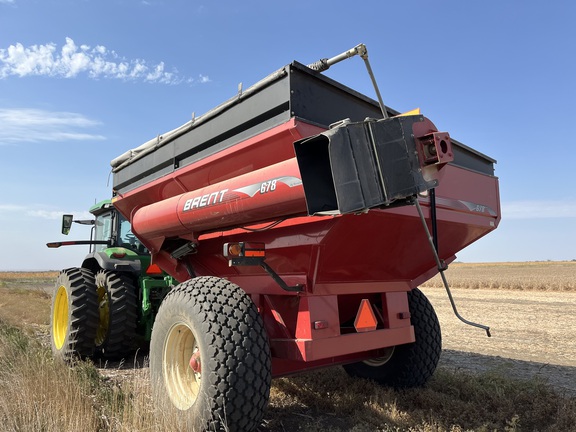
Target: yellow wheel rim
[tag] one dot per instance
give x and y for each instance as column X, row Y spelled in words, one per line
column 104, row 311
column 60, row 317
column 181, row 382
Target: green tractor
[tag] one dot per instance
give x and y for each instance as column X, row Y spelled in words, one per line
column 106, row 307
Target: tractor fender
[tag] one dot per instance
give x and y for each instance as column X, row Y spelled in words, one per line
column 101, row 260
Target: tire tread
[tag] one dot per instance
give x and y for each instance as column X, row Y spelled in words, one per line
column 83, row 313
column 123, row 314
column 238, row 352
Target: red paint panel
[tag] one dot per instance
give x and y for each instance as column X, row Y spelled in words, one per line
column 394, row 304
column 317, row 308
column 317, row 349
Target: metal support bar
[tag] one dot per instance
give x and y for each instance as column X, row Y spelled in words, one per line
column 279, row 280
column 361, row 50
column 325, row 63
column 434, row 219
column 373, row 79
column 441, row 269
column 255, row 258
column 189, row 269
column 181, row 252
column 185, row 249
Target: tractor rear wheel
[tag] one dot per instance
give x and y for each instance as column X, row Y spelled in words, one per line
column 74, row 314
column 118, row 314
column 209, row 356
column 410, row 365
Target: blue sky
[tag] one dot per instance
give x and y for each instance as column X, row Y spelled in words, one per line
column 83, row 81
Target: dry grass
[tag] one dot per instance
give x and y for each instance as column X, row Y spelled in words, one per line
column 30, row 308
column 25, row 298
column 37, row 394
column 536, row 276
column 40, row 394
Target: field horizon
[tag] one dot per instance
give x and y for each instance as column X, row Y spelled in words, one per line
column 456, row 262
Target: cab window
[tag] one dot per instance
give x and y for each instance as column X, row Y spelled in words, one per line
column 103, row 230
column 127, row 239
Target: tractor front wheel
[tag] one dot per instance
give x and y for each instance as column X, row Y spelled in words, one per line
column 74, row 316
column 410, row 365
column 209, row 356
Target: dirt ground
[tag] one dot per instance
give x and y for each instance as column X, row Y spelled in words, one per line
column 533, row 333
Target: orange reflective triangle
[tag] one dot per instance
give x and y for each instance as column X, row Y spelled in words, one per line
column 153, row 269
column 365, row 319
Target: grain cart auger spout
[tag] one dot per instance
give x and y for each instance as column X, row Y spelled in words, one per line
column 287, row 224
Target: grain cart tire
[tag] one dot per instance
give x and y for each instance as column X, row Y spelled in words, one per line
column 117, row 310
column 210, row 358
column 410, row 365
column 74, row 314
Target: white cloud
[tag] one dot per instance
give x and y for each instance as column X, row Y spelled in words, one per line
column 73, row 60
column 6, row 1
column 42, row 213
column 4, row 208
column 204, row 79
column 34, row 125
column 57, row 215
column 539, row 209
column 45, row 214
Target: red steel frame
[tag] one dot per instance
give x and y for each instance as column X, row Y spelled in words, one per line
column 339, row 260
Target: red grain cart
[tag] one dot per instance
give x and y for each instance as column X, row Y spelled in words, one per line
column 298, row 245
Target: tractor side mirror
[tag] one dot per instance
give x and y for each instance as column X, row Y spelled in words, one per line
column 66, row 223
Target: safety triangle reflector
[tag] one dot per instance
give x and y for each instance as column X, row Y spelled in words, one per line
column 365, row 319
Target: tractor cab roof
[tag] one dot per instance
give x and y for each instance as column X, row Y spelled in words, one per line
column 101, row 207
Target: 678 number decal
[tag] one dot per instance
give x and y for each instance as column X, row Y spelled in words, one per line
column 268, row 186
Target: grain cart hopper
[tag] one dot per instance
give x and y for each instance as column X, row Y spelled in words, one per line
column 298, row 218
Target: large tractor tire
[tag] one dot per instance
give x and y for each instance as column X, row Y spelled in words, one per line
column 74, row 315
column 210, row 358
column 410, row 365
column 117, row 308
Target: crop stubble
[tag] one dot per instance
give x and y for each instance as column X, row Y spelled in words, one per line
column 531, row 309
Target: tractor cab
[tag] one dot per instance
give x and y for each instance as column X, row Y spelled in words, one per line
column 111, row 227
column 112, row 244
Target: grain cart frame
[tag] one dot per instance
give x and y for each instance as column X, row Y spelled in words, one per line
column 291, row 216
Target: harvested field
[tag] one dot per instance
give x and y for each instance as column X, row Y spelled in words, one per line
column 530, row 309
column 523, row 276
column 25, row 298
column 28, row 280
column 532, row 333
column 521, row 379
